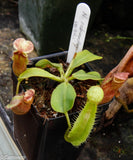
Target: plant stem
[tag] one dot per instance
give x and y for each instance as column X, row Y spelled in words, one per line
column 17, row 89
column 68, row 120
column 70, row 78
column 69, row 70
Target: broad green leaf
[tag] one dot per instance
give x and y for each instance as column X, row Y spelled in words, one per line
column 44, row 63
column 37, row 72
column 82, row 75
column 84, row 57
column 63, row 97
column 81, row 58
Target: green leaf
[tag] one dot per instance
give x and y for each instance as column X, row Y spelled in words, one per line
column 82, row 75
column 81, row 58
column 37, row 72
column 84, row 57
column 44, row 63
column 63, row 97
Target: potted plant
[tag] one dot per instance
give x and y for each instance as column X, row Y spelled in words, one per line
column 32, row 126
column 46, row 136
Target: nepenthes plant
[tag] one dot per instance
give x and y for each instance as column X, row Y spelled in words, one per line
column 63, row 96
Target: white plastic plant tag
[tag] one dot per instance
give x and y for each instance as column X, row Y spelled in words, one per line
column 79, row 30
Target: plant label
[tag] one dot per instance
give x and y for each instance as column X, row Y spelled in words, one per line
column 79, row 30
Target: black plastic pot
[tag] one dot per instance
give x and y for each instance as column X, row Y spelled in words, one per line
column 40, row 138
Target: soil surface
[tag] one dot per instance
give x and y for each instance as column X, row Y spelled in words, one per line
column 111, row 143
